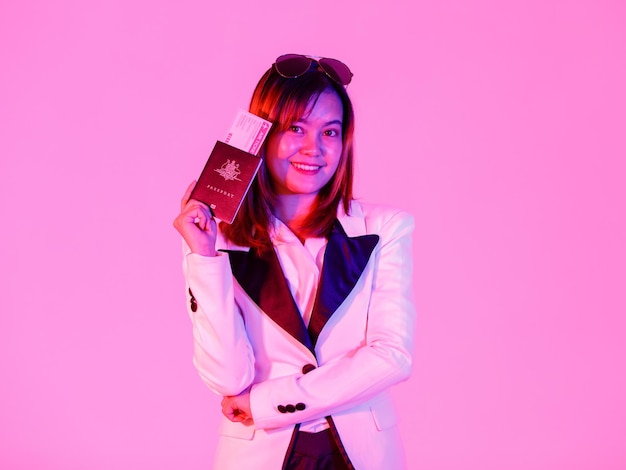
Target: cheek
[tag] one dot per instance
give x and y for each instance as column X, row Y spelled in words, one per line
column 280, row 146
column 286, row 148
column 337, row 155
column 273, row 155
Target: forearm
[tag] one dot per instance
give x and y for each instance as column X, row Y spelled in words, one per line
column 222, row 352
column 331, row 388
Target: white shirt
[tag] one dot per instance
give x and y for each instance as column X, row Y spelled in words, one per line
column 302, row 265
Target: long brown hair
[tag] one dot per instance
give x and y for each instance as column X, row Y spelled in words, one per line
column 284, row 101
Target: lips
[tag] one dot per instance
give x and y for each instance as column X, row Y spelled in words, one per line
column 304, row 167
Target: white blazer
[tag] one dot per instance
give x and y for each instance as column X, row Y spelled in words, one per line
column 248, row 333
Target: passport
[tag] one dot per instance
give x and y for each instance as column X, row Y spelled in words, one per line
column 232, row 166
column 225, row 180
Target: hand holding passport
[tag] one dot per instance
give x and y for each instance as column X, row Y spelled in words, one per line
column 232, row 166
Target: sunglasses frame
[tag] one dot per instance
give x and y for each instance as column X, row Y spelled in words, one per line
column 333, row 68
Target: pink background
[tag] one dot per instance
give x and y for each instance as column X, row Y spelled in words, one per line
column 499, row 124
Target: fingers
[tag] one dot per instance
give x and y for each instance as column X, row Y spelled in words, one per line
column 199, row 214
column 231, row 410
column 187, row 203
column 196, row 224
column 194, row 213
column 185, row 198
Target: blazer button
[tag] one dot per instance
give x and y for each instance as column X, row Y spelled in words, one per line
column 282, row 409
column 307, row 368
column 192, row 301
column 300, row 406
column 290, row 408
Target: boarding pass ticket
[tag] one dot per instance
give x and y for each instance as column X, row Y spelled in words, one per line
column 248, row 132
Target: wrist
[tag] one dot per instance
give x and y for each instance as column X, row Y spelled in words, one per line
column 205, row 252
column 202, row 248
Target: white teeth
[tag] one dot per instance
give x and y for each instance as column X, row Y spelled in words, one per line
column 302, row 166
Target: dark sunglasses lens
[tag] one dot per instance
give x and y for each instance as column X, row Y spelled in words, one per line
column 292, row 65
column 337, row 70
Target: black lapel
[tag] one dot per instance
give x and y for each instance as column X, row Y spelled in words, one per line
column 263, row 280
column 344, row 261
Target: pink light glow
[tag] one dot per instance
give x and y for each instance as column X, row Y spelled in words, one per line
column 499, row 125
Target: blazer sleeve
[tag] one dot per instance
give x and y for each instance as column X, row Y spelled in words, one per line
column 383, row 360
column 222, row 352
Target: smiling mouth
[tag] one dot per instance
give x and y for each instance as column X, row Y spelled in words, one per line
column 303, row 167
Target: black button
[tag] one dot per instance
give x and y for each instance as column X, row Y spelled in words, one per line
column 307, row 368
column 290, row 408
column 282, row 409
column 300, row 406
column 192, row 301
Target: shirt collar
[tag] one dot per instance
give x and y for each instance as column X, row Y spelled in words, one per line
column 353, row 225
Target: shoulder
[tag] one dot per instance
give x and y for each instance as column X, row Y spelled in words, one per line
column 370, row 218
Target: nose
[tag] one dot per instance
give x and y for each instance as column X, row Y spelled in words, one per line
column 312, row 146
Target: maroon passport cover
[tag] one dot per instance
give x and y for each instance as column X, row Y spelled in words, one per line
column 225, row 180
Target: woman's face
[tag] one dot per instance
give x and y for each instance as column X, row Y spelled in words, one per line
column 305, row 156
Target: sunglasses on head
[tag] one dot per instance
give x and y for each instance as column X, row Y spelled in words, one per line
column 294, row 65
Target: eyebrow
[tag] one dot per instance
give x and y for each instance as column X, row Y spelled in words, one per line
column 334, row 121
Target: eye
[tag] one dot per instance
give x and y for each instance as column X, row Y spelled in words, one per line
column 331, row 133
column 295, row 128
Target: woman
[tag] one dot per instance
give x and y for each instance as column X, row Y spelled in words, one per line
column 302, row 309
